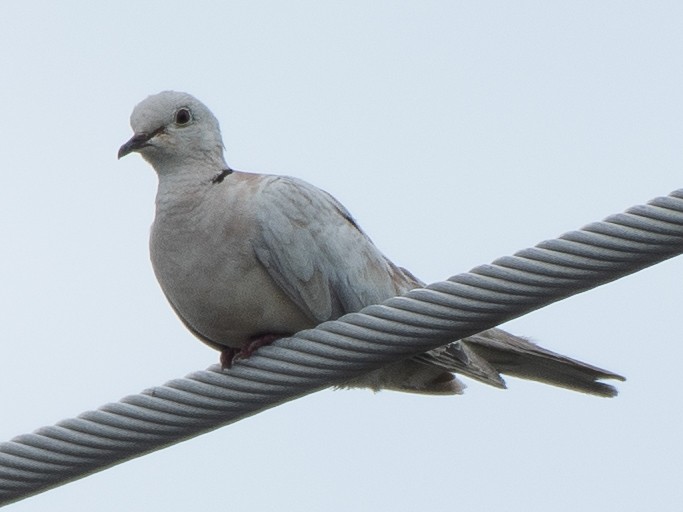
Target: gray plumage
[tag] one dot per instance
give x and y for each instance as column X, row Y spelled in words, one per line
column 241, row 255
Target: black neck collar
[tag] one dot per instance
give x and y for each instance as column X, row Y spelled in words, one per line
column 218, row 178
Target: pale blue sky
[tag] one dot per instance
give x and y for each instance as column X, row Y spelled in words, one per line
column 455, row 132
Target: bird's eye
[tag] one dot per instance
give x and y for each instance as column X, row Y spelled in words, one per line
column 183, row 116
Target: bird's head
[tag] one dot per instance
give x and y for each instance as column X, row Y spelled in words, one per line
column 173, row 129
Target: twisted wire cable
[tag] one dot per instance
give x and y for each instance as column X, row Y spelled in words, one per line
column 337, row 351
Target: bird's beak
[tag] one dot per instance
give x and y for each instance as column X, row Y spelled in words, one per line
column 136, row 142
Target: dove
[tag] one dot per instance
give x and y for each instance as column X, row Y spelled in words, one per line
column 246, row 258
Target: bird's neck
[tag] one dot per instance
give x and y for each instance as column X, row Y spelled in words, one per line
column 183, row 188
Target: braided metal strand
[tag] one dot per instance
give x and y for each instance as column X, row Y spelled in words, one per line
column 337, row 351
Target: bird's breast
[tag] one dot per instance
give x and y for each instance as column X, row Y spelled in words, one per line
column 204, row 261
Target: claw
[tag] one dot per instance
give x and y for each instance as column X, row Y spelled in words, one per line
column 227, row 357
column 229, row 354
column 257, row 342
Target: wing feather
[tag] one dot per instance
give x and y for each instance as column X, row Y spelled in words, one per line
column 314, row 250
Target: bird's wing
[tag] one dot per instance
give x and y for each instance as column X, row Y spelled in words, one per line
column 314, row 250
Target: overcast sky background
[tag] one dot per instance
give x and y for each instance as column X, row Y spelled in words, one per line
column 455, row 132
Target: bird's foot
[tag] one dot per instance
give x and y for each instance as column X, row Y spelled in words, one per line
column 229, row 354
column 227, row 357
column 256, row 342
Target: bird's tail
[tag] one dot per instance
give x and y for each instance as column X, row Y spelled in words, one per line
column 486, row 355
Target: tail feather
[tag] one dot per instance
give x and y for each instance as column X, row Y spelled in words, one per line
column 519, row 357
column 458, row 357
column 484, row 357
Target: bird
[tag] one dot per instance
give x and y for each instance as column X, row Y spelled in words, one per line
column 246, row 258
